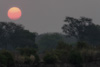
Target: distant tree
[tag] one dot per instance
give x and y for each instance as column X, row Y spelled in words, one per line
column 49, row 41
column 24, row 38
column 83, row 29
column 14, row 35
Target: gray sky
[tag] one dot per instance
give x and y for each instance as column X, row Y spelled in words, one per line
column 47, row 15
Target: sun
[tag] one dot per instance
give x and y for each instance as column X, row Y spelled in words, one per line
column 14, row 13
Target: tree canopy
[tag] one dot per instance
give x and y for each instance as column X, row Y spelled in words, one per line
column 49, row 41
column 14, row 35
column 83, row 29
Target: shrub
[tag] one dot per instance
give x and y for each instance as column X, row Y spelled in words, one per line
column 81, row 45
column 27, row 60
column 50, row 58
column 37, row 59
column 20, row 59
column 26, row 51
column 32, row 58
column 89, row 55
column 63, row 46
column 6, row 58
column 75, row 58
column 3, row 60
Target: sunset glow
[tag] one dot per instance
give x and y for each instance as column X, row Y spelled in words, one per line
column 14, row 13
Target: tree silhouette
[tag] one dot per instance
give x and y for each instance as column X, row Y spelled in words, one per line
column 14, row 35
column 83, row 29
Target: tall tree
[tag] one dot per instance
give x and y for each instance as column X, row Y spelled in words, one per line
column 83, row 29
column 14, row 35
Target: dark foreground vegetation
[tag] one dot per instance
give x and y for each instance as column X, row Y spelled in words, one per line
column 78, row 47
column 79, row 55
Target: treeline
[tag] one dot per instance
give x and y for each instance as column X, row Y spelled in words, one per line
column 80, row 44
column 49, row 41
column 75, row 30
column 14, row 35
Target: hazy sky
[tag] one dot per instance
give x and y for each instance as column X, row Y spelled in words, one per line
column 47, row 15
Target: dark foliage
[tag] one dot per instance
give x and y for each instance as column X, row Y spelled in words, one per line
column 50, row 58
column 6, row 58
column 83, row 29
column 14, row 35
column 28, row 52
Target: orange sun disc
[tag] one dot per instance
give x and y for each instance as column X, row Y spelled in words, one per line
column 14, row 13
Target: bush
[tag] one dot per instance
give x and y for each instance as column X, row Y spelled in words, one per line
column 32, row 58
column 6, row 58
column 81, row 45
column 75, row 58
column 26, row 51
column 3, row 59
column 89, row 55
column 20, row 59
column 37, row 59
column 63, row 46
column 50, row 58
column 27, row 60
